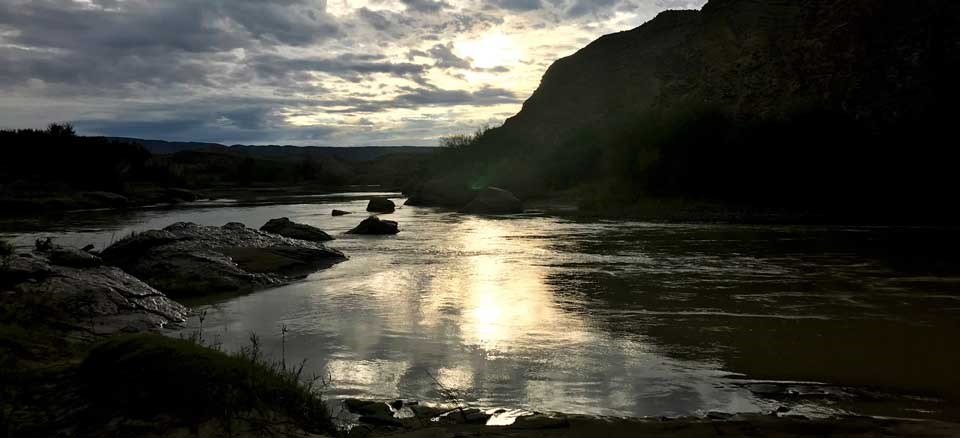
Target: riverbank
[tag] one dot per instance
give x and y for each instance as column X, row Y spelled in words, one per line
column 501, row 236
column 23, row 203
column 152, row 385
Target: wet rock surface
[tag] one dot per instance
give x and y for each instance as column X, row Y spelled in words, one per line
column 186, row 259
column 493, row 200
column 74, row 258
column 90, row 300
column 340, row 213
column 379, row 418
column 381, row 205
column 441, row 192
column 376, row 226
column 287, row 228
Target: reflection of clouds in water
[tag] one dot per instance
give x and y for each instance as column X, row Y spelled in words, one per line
column 376, row 377
column 459, row 379
column 610, row 318
column 504, row 302
column 476, row 303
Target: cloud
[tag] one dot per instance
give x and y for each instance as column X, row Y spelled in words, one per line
column 487, row 95
column 425, row 5
column 287, row 71
column 518, row 5
column 445, row 58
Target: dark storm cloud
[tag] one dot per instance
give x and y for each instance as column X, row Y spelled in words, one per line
column 348, row 66
column 518, row 5
column 238, row 70
column 425, row 5
column 583, row 7
column 166, row 43
column 182, row 25
column 445, row 58
column 436, row 96
column 230, row 120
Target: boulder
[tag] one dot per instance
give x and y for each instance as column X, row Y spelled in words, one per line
column 376, row 226
column 186, row 259
column 440, row 192
column 381, row 205
column 74, row 258
column 179, row 195
column 234, row 226
column 106, row 199
column 340, row 213
column 84, row 300
column 287, row 228
column 493, row 200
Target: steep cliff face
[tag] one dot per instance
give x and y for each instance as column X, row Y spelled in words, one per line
column 805, row 104
column 878, row 61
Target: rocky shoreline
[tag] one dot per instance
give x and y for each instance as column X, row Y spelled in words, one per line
column 82, row 354
column 401, row 418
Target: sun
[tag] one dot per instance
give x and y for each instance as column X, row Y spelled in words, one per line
column 490, row 50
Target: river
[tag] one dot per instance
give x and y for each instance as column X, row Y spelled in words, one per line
column 618, row 318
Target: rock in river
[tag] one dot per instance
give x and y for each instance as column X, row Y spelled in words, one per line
column 441, row 192
column 340, row 213
column 376, row 226
column 84, row 300
column 493, row 200
column 186, row 259
column 381, row 205
column 74, row 258
column 287, row 228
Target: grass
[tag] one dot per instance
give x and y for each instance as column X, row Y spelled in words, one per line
column 138, row 376
column 149, row 384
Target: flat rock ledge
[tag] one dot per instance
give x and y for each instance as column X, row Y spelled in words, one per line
column 83, row 300
column 190, row 260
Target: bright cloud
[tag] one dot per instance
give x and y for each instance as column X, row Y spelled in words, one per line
column 334, row 72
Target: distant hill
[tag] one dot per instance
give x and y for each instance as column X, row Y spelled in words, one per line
column 355, row 153
column 807, row 104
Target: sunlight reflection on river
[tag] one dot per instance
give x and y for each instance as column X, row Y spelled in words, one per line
column 470, row 302
column 594, row 317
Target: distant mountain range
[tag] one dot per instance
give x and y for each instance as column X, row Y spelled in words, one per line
column 355, row 153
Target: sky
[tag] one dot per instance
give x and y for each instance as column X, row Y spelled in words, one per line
column 300, row 72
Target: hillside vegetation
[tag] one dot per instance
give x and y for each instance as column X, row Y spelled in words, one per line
column 55, row 169
column 839, row 106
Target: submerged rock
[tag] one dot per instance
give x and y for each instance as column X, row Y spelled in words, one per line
column 186, row 259
column 340, row 213
column 381, row 205
column 287, row 228
column 107, row 199
column 88, row 300
column 493, row 200
column 174, row 195
column 376, row 226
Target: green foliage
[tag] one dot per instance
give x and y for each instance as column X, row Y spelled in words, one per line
column 808, row 159
column 61, row 130
column 464, row 141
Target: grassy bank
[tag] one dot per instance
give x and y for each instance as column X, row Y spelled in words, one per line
column 150, row 385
